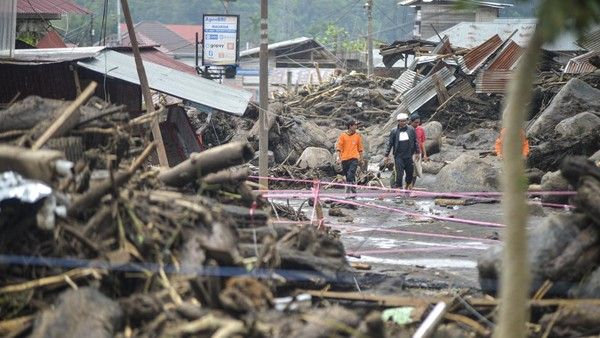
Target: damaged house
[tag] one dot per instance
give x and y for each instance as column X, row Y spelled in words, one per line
column 62, row 73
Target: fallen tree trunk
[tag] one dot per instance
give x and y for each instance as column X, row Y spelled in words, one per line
column 227, row 176
column 209, row 161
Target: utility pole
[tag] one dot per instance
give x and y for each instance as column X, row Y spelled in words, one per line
column 118, row 23
column 369, row 8
column 160, row 146
column 263, row 141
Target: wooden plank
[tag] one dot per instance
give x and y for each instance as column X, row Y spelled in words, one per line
column 65, row 116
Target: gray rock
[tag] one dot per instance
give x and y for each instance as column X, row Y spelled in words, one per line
column 478, row 139
column 579, row 125
column 313, row 157
column 432, row 167
column 589, row 287
column 467, row 173
column 80, row 313
column 433, row 132
column 574, row 98
column 547, row 242
column 596, row 157
column 534, row 175
column 554, row 181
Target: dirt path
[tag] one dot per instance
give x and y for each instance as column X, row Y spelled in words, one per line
column 424, row 252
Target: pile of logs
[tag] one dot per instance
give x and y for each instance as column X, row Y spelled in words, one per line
column 353, row 96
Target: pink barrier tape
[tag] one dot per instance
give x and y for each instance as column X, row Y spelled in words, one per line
column 447, row 194
column 399, row 250
column 414, row 214
column 304, row 193
column 426, row 234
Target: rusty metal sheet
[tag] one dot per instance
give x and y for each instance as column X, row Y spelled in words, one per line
column 508, row 57
column 580, row 64
column 493, row 81
column 38, row 7
column 478, row 55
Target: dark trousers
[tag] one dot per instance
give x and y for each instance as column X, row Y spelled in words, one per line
column 349, row 169
column 403, row 164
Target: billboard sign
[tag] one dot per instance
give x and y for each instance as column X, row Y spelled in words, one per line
column 221, row 40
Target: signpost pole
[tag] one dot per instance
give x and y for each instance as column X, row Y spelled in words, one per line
column 263, row 141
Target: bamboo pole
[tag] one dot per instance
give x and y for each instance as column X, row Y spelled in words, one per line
column 156, row 134
column 515, row 277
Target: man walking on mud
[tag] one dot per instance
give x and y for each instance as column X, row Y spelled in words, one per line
column 403, row 144
column 350, row 152
column 415, row 122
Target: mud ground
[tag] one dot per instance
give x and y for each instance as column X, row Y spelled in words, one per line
column 401, row 256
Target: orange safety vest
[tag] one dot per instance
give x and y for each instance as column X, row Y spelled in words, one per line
column 524, row 144
column 349, row 146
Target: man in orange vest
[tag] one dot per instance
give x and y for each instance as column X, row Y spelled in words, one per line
column 524, row 144
column 350, row 152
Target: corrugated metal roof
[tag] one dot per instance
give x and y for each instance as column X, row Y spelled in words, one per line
column 580, row 64
column 425, row 90
column 192, row 88
column 443, row 47
column 157, row 33
column 508, row 57
column 51, row 40
column 499, row 5
column 187, row 32
column 281, row 44
column 50, row 7
column 591, row 40
column 55, row 54
column 406, row 81
column 493, row 81
column 478, row 55
column 156, row 56
column 473, row 34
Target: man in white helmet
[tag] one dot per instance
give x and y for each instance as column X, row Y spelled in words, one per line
column 403, row 144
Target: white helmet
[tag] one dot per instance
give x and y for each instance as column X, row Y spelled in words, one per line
column 402, row 116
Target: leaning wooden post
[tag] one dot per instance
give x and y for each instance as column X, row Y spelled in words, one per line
column 160, row 146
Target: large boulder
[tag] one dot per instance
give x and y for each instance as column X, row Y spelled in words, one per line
column 554, row 181
column 574, row 98
column 554, row 252
column 579, row 125
column 295, row 135
column 433, row 132
column 80, row 313
column 313, row 157
column 467, row 173
column 481, row 138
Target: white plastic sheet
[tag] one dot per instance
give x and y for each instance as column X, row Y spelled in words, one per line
column 8, row 25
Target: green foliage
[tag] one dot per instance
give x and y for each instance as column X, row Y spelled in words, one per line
column 558, row 16
column 29, row 38
column 338, row 39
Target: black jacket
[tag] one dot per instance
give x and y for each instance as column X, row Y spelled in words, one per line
column 393, row 142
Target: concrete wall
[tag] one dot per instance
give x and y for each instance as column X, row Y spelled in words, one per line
column 444, row 16
column 486, row 14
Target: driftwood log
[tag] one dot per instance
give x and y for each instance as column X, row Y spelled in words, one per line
column 230, row 175
column 33, row 164
column 209, row 161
